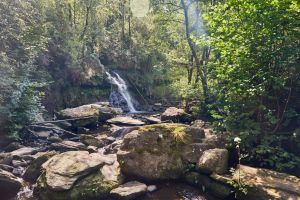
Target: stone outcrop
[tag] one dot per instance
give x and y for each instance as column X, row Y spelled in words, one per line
column 176, row 115
column 78, row 175
column 88, row 115
column 155, row 151
column 213, row 160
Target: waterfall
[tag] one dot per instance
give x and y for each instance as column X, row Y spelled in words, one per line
column 122, row 88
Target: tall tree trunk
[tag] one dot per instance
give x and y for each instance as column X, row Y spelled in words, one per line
column 200, row 72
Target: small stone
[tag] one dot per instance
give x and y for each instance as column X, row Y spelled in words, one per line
column 19, row 163
column 151, row 188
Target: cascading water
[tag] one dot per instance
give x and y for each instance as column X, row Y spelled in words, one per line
column 123, row 90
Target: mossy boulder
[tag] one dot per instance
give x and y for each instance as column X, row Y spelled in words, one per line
column 78, row 175
column 154, row 152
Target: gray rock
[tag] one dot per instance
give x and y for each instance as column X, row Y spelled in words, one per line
column 126, row 120
column 264, row 184
column 68, row 146
column 151, row 188
column 90, row 140
column 18, row 171
column 154, row 151
column 9, row 184
column 6, row 167
column 23, row 151
column 194, row 151
column 19, row 163
column 130, row 190
column 13, row 146
column 213, row 160
column 96, row 175
column 63, row 170
column 206, row 183
column 175, row 115
column 88, row 115
column 54, row 139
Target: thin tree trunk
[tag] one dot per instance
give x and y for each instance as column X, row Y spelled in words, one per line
column 200, row 74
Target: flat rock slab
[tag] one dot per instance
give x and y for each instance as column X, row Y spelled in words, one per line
column 265, row 184
column 23, row 151
column 63, row 170
column 125, row 121
column 129, row 190
column 69, row 145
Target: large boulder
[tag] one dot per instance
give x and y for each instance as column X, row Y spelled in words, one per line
column 9, row 184
column 130, row 190
column 154, row 152
column 34, row 170
column 213, row 160
column 78, row 175
column 88, row 115
column 265, row 184
column 176, row 115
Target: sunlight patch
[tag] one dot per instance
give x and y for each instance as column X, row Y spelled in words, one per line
column 139, row 8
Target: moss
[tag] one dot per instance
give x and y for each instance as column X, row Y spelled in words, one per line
column 90, row 187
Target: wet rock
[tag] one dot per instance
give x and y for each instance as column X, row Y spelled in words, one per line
column 130, row 190
column 213, row 160
column 206, row 183
column 154, row 152
column 96, row 175
column 125, row 120
column 34, row 170
column 120, row 132
column 9, row 184
column 176, row 115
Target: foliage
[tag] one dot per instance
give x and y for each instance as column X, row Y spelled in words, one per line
column 256, row 65
column 21, row 39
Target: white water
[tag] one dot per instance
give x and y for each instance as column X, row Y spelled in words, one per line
column 122, row 87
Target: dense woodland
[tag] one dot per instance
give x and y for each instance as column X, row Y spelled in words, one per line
column 235, row 63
